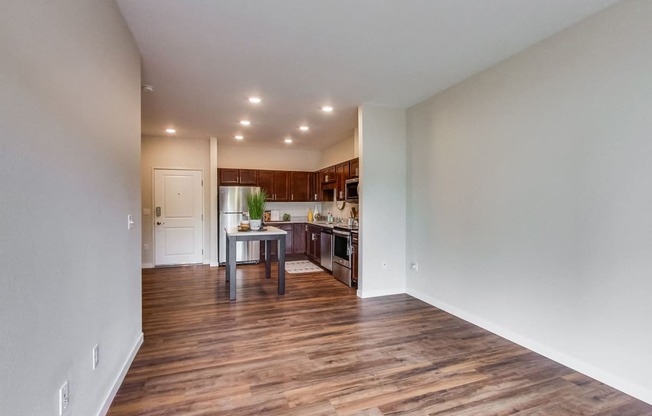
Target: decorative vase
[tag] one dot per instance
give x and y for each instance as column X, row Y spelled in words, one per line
column 255, row 224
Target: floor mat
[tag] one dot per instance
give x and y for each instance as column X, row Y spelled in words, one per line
column 301, row 266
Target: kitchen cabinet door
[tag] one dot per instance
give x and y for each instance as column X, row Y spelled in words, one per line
column 328, row 175
column 300, row 186
column 354, row 168
column 248, row 177
column 298, row 239
column 266, row 183
column 342, row 171
column 289, row 242
column 281, row 186
column 313, row 241
column 315, row 188
column 229, row 176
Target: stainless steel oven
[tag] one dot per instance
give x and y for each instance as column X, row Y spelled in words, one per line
column 342, row 255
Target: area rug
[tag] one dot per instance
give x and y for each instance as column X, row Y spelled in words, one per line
column 301, row 266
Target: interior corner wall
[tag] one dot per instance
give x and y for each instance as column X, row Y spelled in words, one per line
column 337, row 153
column 529, row 198
column 382, row 202
column 69, row 176
column 173, row 153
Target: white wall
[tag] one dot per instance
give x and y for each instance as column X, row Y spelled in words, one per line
column 382, row 203
column 337, row 153
column 249, row 157
column 173, row 153
column 69, row 176
column 529, row 198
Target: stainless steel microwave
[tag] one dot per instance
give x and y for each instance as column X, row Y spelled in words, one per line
column 351, row 189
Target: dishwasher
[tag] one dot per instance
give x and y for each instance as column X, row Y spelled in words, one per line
column 326, row 248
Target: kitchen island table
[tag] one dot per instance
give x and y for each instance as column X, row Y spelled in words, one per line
column 267, row 235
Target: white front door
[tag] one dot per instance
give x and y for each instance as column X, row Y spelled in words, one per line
column 178, row 209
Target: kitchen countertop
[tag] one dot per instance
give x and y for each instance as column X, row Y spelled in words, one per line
column 304, row 220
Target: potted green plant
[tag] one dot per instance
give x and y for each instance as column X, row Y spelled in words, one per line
column 256, row 204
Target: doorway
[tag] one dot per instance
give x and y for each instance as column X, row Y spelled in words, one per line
column 178, row 217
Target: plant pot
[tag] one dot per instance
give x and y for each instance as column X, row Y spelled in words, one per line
column 255, row 224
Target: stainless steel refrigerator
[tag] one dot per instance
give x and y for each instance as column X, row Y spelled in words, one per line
column 232, row 205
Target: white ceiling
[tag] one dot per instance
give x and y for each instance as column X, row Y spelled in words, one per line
column 205, row 57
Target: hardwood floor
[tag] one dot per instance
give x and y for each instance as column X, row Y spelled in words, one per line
column 320, row 350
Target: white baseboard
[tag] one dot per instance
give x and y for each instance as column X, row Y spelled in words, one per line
column 121, row 376
column 376, row 293
column 636, row 390
column 215, row 265
column 147, row 266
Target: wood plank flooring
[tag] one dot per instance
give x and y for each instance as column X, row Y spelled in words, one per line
column 320, row 350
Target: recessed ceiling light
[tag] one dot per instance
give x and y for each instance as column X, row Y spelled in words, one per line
column 255, row 100
column 327, row 109
column 245, row 122
column 304, row 128
column 239, row 137
column 171, row 131
column 288, row 140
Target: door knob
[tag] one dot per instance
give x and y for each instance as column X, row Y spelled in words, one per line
column 159, row 223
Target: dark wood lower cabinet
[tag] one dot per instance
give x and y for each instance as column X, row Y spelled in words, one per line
column 298, row 239
column 313, row 241
column 295, row 242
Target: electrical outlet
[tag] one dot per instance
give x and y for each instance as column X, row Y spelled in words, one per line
column 64, row 398
column 384, row 264
column 415, row 266
column 96, row 356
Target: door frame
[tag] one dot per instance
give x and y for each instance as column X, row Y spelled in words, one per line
column 153, row 214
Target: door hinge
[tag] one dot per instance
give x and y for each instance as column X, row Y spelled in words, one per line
column 202, row 217
column 202, row 182
column 202, row 251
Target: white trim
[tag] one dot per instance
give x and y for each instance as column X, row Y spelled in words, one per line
column 213, row 182
column 147, row 266
column 376, row 293
column 214, row 264
column 121, row 376
column 636, row 390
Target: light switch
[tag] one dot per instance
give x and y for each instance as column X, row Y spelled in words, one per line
column 130, row 222
column 147, row 211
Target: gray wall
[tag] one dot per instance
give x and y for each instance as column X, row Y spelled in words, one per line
column 529, row 198
column 69, row 176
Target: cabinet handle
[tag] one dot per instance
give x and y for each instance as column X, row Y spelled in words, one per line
column 292, row 197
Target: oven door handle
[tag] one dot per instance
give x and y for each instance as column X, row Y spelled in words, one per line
column 342, row 233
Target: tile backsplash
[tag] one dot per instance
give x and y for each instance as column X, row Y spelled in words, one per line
column 299, row 210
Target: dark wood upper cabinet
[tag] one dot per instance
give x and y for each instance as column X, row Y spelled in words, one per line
column 238, row 176
column 275, row 183
column 328, row 175
column 281, row 186
column 315, row 187
column 354, row 168
column 300, row 186
column 266, row 183
column 342, row 171
column 324, row 185
column 229, row 176
column 249, row 177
